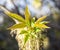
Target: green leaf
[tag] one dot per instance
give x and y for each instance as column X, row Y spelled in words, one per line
column 32, row 22
column 44, row 22
column 12, row 15
column 41, row 26
column 37, row 30
column 40, row 19
column 34, row 35
column 27, row 16
column 16, row 26
column 23, row 32
column 26, row 38
column 15, row 16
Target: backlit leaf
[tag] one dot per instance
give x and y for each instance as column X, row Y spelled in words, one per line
column 32, row 22
column 44, row 22
column 16, row 26
column 23, row 32
column 41, row 26
column 27, row 16
column 37, row 30
column 15, row 16
column 12, row 15
column 34, row 35
column 26, row 38
column 40, row 19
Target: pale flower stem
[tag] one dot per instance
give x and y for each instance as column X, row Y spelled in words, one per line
column 37, row 44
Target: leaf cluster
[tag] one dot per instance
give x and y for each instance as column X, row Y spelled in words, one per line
column 30, row 26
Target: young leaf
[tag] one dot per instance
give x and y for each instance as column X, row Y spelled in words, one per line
column 41, row 26
column 44, row 22
column 37, row 30
column 12, row 15
column 15, row 16
column 16, row 26
column 34, row 35
column 27, row 16
column 23, row 32
column 41, row 19
column 32, row 22
column 26, row 38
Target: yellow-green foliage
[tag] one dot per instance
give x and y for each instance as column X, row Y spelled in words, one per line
column 32, row 26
